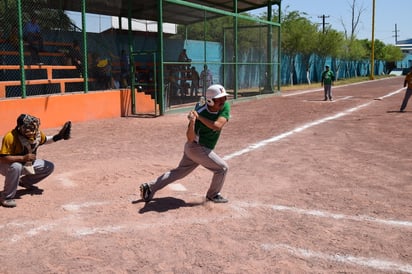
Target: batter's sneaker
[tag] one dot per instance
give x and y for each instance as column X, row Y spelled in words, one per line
column 146, row 192
column 218, row 199
column 8, row 203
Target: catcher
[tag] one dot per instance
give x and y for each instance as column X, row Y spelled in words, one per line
column 18, row 161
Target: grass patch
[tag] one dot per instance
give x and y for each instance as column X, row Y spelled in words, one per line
column 336, row 83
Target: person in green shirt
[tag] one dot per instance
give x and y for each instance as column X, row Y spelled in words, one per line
column 327, row 80
column 206, row 122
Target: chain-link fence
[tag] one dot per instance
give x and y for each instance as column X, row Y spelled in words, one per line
column 45, row 51
column 36, row 38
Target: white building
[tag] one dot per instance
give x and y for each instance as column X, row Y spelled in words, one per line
column 143, row 25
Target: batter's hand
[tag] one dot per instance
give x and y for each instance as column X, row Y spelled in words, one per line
column 192, row 115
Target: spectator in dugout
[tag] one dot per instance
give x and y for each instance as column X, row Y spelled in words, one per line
column 75, row 57
column 33, row 36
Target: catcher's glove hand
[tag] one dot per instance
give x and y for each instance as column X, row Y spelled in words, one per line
column 64, row 132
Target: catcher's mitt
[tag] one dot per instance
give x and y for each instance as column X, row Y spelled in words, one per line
column 64, row 132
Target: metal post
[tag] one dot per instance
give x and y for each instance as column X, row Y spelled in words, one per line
column 279, row 45
column 373, row 43
column 132, row 66
column 21, row 51
column 269, row 68
column 85, row 61
column 159, row 59
column 235, row 46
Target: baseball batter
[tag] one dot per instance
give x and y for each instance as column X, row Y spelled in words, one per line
column 18, row 161
column 206, row 122
column 408, row 93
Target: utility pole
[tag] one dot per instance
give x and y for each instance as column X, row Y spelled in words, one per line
column 396, row 34
column 372, row 77
column 323, row 22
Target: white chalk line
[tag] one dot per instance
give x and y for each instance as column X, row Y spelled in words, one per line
column 362, row 261
column 76, row 207
column 380, row 264
column 373, row 263
column 238, row 207
column 293, row 131
column 301, row 92
column 177, row 187
column 294, row 93
column 241, row 209
column 390, row 94
column 336, row 216
column 341, row 99
column 302, row 128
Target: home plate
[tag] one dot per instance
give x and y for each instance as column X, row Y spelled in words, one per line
column 177, row 187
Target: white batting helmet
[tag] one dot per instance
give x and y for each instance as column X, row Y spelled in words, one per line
column 214, row 92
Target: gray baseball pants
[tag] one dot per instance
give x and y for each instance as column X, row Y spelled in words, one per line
column 13, row 175
column 328, row 91
column 193, row 156
column 405, row 100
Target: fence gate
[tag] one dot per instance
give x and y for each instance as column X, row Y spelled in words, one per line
column 144, row 77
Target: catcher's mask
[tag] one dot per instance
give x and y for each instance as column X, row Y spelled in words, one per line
column 28, row 126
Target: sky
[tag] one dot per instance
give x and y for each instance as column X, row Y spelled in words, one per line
column 388, row 13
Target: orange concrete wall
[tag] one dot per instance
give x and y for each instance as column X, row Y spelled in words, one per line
column 54, row 110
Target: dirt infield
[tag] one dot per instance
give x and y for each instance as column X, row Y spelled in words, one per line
column 313, row 187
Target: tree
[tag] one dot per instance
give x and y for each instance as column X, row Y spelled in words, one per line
column 356, row 51
column 391, row 55
column 356, row 13
column 297, row 38
column 48, row 19
column 329, row 44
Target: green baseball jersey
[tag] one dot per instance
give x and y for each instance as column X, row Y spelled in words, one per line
column 205, row 136
column 328, row 77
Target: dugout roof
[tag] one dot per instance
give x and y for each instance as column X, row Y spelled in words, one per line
column 147, row 9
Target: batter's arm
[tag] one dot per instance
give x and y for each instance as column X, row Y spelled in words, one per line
column 190, row 131
column 215, row 125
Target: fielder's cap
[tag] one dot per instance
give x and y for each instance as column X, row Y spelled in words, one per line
column 215, row 91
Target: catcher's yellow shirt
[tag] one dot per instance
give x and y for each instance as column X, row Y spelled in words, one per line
column 11, row 144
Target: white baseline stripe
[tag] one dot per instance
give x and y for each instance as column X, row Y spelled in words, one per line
column 384, row 265
column 324, row 214
column 301, row 92
column 390, row 94
column 298, row 129
column 288, row 133
column 293, row 93
column 343, row 98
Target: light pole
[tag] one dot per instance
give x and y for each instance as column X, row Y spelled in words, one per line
column 373, row 43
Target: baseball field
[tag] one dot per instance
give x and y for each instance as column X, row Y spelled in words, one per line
column 313, row 187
